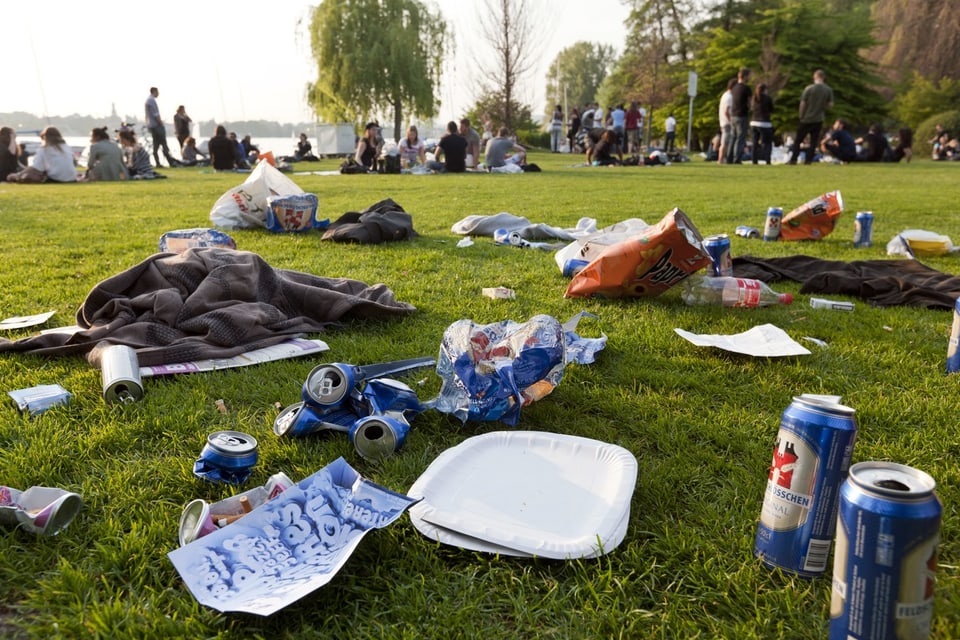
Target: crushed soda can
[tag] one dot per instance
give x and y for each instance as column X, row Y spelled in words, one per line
column 199, row 518
column 42, row 510
column 747, row 232
column 35, row 400
column 499, row 293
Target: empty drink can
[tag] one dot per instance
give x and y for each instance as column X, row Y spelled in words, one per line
column 718, row 248
column 810, row 460
column 771, row 228
column 885, row 563
column 377, row 437
column 863, row 229
column 227, row 457
column 120, row 372
column 747, row 232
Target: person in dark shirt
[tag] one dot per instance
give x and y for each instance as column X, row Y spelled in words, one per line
column 740, row 116
column 874, row 145
column 838, row 143
column 221, row 151
column 453, row 148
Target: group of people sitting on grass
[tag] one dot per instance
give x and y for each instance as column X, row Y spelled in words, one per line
column 457, row 151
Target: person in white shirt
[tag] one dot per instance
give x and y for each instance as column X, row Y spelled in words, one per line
column 726, row 123
column 670, row 134
column 53, row 161
column 412, row 150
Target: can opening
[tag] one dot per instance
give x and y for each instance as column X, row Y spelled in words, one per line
column 895, row 485
column 373, row 432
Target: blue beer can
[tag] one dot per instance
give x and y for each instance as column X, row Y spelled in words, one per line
column 227, row 457
column 885, row 562
column 863, row 229
column 811, row 457
column 574, row 266
column 745, row 231
column 771, row 228
column 718, row 248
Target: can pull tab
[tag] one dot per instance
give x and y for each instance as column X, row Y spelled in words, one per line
column 124, row 395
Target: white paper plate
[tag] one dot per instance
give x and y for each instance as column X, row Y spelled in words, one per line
column 542, row 494
column 475, row 544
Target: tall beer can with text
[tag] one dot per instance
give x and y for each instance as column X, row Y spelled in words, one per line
column 718, row 248
column 811, row 457
column 771, row 228
column 885, row 563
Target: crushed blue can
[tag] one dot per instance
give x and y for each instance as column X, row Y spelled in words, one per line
column 747, row 232
column 573, row 266
column 227, row 457
column 332, row 385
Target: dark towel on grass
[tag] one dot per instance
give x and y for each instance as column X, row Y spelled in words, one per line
column 210, row 303
column 884, row 283
column 385, row 221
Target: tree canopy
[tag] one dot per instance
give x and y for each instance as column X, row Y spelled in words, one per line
column 580, row 69
column 363, row 72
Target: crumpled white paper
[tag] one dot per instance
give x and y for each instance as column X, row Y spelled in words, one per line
column 766, row 340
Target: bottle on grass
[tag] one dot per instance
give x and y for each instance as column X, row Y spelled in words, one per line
column 728, row 291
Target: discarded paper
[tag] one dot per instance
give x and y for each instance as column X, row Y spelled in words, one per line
column 21, row 322
column 766, row 340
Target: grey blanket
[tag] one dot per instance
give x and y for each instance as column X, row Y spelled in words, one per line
column 209, row 303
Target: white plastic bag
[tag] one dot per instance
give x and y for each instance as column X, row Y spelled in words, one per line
column 245, row 205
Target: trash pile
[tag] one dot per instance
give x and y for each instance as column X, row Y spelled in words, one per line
column 506, row 492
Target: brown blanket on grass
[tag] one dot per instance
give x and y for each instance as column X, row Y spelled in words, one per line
column 884, row 283
column 209, row 303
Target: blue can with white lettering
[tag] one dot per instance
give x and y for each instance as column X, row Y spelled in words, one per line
column 811, row 457
column 863, row 229
column 227, row 457
column 885, row 562
column 718, row 248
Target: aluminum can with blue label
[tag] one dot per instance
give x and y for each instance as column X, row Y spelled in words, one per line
column 771, row 228
column 574, row 266
column 227, row 457
column 953, row 347
column 745, row 231
column 811, row 457
column 863, row 229
column 885, row 562
column 718, row 248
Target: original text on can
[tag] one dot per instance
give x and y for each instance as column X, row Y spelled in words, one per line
column 884, row 567
column 771, row 228
column 863, row 229
column 718, row 248
column 953, row 347
column 811, row 457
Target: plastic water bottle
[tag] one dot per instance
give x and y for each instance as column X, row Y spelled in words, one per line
column 728, row 291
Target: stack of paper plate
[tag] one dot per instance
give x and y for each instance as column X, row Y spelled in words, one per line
column 527, row 493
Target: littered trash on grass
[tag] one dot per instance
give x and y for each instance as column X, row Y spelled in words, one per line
column 763, row 341
column 490, row 371
column 911, row 243
column 22, row 322
column 179, row 240
column 35, row 400
column 813, row 220
column 289, row 546
column 41, row 510
column 499, row 293
column 465, row 242
column 645, row 264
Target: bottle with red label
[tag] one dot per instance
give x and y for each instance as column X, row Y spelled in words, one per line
column 729, row 291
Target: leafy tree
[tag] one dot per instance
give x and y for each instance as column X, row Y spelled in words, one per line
column 783, row 46
column 653, row 69
column 580, row 69
column 507, row 25
column 924, row 99
column 362, row 74
column 494, row 104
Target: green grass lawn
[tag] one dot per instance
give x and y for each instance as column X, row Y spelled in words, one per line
column 701, row 422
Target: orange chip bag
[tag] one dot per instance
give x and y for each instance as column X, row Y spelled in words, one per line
column 646, row 264
column 813, row 220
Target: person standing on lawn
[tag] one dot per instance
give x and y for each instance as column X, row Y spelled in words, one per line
column 814, row 102
column 156, row 127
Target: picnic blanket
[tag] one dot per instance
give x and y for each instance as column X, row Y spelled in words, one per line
column 209, row 303
column 884, row 283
